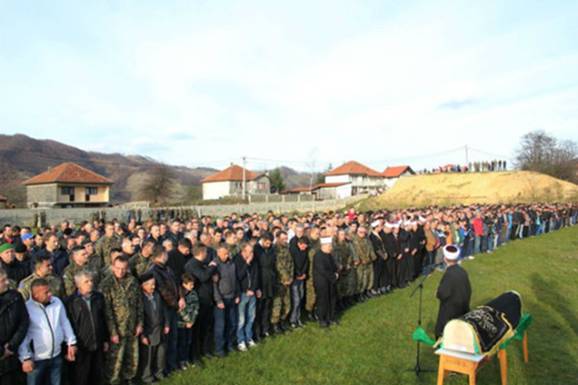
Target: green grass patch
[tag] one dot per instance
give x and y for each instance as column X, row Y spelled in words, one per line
column 373, row 345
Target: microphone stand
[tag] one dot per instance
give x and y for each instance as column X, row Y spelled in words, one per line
column 417, row 368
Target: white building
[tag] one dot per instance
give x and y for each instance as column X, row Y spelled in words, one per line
column 362, row 179
column 229, row 183
column 392, row 174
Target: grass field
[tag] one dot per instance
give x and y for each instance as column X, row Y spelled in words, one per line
column 372, row 345
column 457, row 188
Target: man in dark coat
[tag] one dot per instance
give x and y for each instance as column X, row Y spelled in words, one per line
column 167, row 287
column 85, row 309
column 14, row 270
column 266, row 261
column 454, row 291
column 13, row 327
column 379, row 272
column 393, row 249
column 325, row 278
column 203, row 270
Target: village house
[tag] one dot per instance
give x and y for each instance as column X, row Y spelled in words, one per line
column 229, row 183
column 361, row 178
column 392, row 174
column 68, row 185
column 353, row 178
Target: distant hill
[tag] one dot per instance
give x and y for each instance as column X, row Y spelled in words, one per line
column 22, row 157
column 490, row 188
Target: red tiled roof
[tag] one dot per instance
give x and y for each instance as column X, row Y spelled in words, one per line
column 353, row 168
column 68, row 173
column 232, row 173
column 395, row 172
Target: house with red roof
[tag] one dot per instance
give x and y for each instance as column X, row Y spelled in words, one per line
column 68, row 185
column 229, row 183
column 361, row 178
column 392, row 174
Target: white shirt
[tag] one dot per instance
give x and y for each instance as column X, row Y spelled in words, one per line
column 49, row 328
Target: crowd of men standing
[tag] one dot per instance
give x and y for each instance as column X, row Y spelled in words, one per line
column 145, row 299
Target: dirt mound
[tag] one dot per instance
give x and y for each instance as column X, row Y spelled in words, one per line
column 489, row 188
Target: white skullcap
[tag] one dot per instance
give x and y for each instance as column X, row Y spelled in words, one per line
column 374, row 223
column 390, row 225
column 326, row 241
column 451, row 252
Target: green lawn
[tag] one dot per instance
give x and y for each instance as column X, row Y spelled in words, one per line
column 373, row 343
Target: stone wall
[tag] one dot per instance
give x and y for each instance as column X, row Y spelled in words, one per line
column 44, row 195
column 36, row 217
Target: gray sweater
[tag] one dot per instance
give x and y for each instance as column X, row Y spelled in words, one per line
column 227, row 287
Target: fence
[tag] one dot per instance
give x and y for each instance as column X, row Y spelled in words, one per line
column 42, row 217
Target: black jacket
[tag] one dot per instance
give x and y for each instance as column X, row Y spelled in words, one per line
column 155, row 318
column 324, row 268
column 392, row 245
column 17, row 270
column 88, row 324
column 176, row 262
column 204, row 274
column 378, row 246
column 454, row 293
column 300, row 260
column 13, row 327
column 267, row 260
column 247, row 275
column 166, row 285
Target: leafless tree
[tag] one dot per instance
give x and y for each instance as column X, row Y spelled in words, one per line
column 544, row 153
column 159, row 185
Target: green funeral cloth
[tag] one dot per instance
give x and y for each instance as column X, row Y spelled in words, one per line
column 420, row 335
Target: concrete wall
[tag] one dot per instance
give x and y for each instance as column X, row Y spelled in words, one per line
column 216, row 190
column 32, row 217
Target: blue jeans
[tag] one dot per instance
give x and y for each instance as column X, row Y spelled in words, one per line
column 297, row 294
column 477, row 245
column 185, row 339
column 246, row 318
column 491, row 242
column 225, row 326
column 46, row 372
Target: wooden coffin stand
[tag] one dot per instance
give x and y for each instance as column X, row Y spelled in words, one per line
column 469, row 364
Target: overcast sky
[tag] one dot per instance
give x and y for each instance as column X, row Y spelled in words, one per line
column 203, row 83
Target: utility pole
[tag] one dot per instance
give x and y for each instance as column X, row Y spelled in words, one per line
column 467, row 156
column 244, row 177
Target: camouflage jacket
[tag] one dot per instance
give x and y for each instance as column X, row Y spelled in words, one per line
column 344, row 257
column 139, row 264
column 123, row 307
column 54, row 282
column 284, row 264
column 103, row 246
column 363, row 250
column 69, row 273
column 189, row 313
column 314, row 246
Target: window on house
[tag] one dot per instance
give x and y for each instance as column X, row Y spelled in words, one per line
column 91, row 190
column 67, row 190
